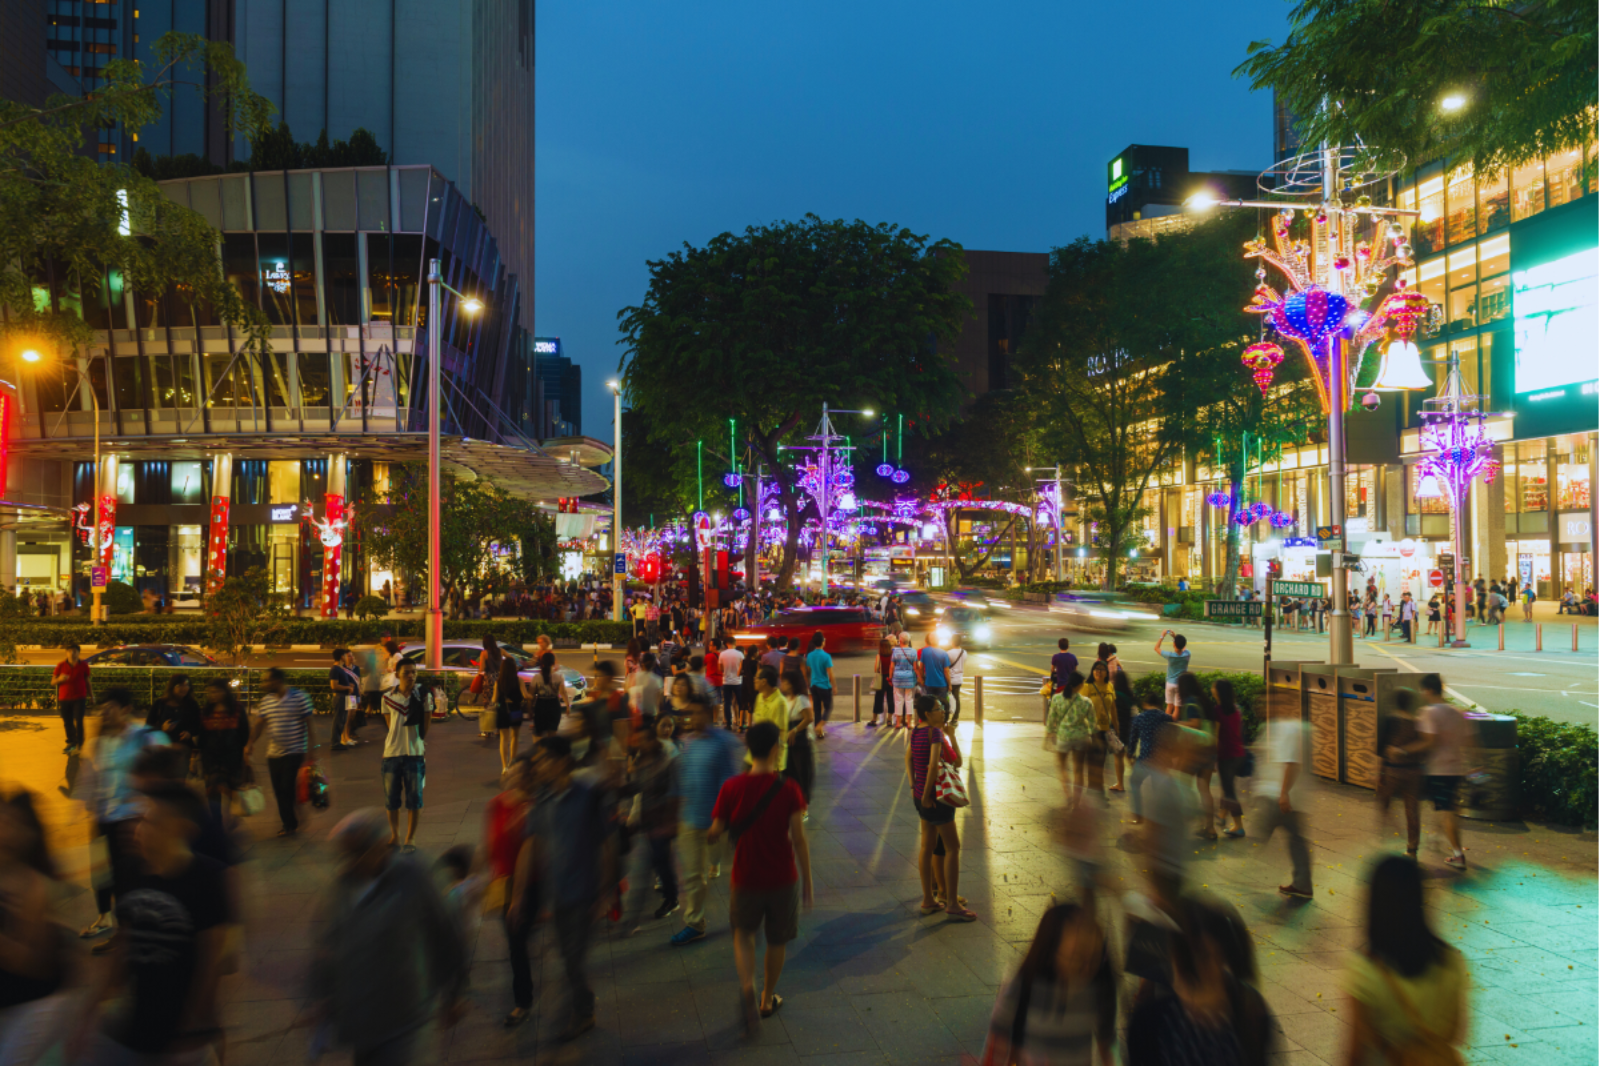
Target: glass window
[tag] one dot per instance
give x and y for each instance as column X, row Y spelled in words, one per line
column 1463, row 292
column 1465, row 351
column 1427, row 235
column 1494, row 202
column 1462, row 202
column 339, row 200
column 314, row 379
column 303, row 277
column 378, row 287
column 1533, row 483
column 223, row 380
column 1431, row 280
column 125, row 486
column 343, row 281
column 1527, row 190
column 1494, row 291
column 188, row 483
column 239, row 265
column 130, row 372
column 283, row 481
column 1566, row 176
column 406, row 277
column 1572, row 473
column 277, row 379
column 275, row 278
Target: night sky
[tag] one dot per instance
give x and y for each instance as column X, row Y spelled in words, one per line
column 989, row 124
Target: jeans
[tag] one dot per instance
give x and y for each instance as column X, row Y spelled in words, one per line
column 650, row 854
column 341, row 714
column 284, row 770
column 1269, row 816
column 694, row 856
column 730, row 702
column 821, row 703
column 574, row 929
column 517, row 934
column 72, row 718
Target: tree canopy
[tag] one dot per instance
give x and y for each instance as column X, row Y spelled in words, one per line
column 1525, row 70
column 767, row 325
column 67, row 219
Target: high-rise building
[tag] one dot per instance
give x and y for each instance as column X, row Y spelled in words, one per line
column 562, row 381
column 29, row 71
column 1147, row 185
column 443, row 83
column 1003, row 287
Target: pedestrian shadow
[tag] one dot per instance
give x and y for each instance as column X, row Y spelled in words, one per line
column 24, row 724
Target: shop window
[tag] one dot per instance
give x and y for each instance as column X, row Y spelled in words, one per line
column 1572, row 473
column 152, row 483
column 343, row 279
column 1566, row 176
column 249, row 486
column 129, row 373
column 1436, row 502
column 314, row 379
column 1431, row 280
column 188, row 482
column 1465, row 351
column 1459, row 313
column 1533, row 482
column 379, row 289
column 283, row 481
column 276, row 384
column 1527, row 190
column 190, row 551
column 126, row 490
column 240, row 267
column 1494, row 290
column 226, row 384
column 1494, row 202
column 406, row 277
column 1462, row 206
column 1427, row 234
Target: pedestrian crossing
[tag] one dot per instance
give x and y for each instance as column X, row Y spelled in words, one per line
column 999, row 685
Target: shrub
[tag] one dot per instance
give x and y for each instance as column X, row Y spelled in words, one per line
column 1248, row 691
column 1558, row 767
column 196, row 630
column 121, row 598
column 370, row 607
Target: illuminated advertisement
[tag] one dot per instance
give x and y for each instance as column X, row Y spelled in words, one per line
column 1556, row 323
column 1117, row 175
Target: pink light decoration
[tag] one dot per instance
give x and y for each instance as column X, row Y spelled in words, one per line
column 1262, row 358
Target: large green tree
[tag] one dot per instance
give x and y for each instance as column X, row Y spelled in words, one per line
column 1377, row 72
column 67, row 219
column 1102, row 362
column 766, row 326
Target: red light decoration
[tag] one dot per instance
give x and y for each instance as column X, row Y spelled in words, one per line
column 108, row 527
column 649, row 569
column 217, row 544
column 5, row 438
column 1261, row 359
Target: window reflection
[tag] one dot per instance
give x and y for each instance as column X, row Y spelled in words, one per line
column 1427, row 235
column 1566, row 176
column 314, row 383
column 343, row 282
column 275, row 278
column 1527, row 190
column 1494, row 291
column 303, row 278
column 1494, row 202
column 1463, row 206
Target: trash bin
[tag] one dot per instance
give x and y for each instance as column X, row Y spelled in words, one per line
column 1498, row 798
column 1320, row 684
column 1284, row 698
column 1366, row 694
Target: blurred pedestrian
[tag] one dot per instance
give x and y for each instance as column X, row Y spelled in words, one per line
column 34, row 964
column 730, row 664
column 1407, row 987
column 1144, row 737
column 1167, row 805
column 224, row 740
column 386, row 951
column 1177, row 662
column 798, row 734
column 177, row 713
column 1102, row 694
column 1060, row 1009
column 1400, row 772
column 933, row 670
column 1445, row 734
column 284, row 713
column 1279, row 795
column 710, row 757
column 1070, row 724
column 1122, row 690
column 504, row 828
column 747, row 686
column 772, row 707
column 652, row 826
column 903, row 662
column 409, row 709
column 931, row 746
column 1062, row 663
column 763, row 814
column 344, row 678
column 1231, row 753
column 73, row 691
column 883, row 690
column 508, row 695
column 1197, row 713
column 957, row 675
column 819, row 668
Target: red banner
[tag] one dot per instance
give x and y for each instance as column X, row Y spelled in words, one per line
column 217, row 544
column 108, row 527
column 331, row 530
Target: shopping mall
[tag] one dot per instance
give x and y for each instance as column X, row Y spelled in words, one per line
column 215, row 459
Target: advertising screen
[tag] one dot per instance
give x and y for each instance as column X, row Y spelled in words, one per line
column 1556, row 322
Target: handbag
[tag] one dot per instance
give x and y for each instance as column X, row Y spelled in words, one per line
column 947, row 787
column 1114, row 742
column 251, row 801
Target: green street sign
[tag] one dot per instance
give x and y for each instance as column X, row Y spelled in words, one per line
column 1297, row 588
column 1232, row 609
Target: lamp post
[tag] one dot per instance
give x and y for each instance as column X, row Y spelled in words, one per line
column 1060, row 540
column 433, row 628
column 825, row 436
column 96, row 617
column 618, row 580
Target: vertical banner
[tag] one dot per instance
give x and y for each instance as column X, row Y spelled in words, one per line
column 217, row 535
column 332, row 529
column 106, row 510
column 6, row 401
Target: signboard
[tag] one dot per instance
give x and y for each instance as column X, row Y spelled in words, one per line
column 1334, row 544
column 289, row 512
column 1436, row 579
column 1116, row 176
column 1326, row 532
column 1574, row 528
column 1297, row 588
column 1447, row 561
column 1346, row 561
column 97, row 577
column 619, row 563
column 1233, row 609
column 547, row 346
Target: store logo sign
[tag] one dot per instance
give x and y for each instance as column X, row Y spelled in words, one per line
column 1574, row 529
column 289, row 512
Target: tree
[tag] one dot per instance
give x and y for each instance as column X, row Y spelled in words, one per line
column 1526, row 73
column 766, row 326
column 243, row 611
column 66, row 219
column 478, row 527
column 1100, row 362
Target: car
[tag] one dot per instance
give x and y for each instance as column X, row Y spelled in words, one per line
column 917, row 609
column 843, row 628
column 461, row 656
column 1097, row 612
column 979, row 599
column 151, row 655
column 971, row 624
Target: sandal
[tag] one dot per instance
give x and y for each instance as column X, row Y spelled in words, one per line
column 962, row 915
column 938, row 905
column 777, row 1001
column 96, row 928
column 1234, row 833
column 961, row 900
column 516, row 1018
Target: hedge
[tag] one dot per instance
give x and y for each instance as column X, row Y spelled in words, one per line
column 1248, row 691
column 196, row 631
column 30, row 689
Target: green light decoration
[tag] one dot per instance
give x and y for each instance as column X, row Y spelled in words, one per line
column 900, row 443
column 699, row 472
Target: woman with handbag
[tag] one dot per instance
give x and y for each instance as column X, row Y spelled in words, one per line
column 550, row 697
column 932, row 758
column 802, row 769
column 1197, row 712
column 509, row 693
column 1408, row 988
column 883, row 698
column 1103, row 695
column 505, row 818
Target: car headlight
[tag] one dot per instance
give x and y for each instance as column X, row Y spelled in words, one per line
column 938, row 610
column 912, row 612
column 983, row 633
column 942, row 635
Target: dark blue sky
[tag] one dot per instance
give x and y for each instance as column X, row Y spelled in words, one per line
column 989, row 124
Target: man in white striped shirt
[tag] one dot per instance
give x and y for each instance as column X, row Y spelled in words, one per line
column 284, row 713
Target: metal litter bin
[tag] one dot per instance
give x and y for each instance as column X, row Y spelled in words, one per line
column 1320, row 684
column 1499, row 798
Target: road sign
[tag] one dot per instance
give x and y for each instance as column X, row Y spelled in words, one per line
column 1328, row 532
column 1232, row 609
column 1436, row 579
column 97, row 577
column 1296, row 588
column 1333, row 544
column 619, row 563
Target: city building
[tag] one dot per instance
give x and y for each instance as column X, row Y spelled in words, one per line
column 1147, row 186
column 562, row 383
column 30, row 73
column 215, row 460
column 1003, row 288
column 448, row 85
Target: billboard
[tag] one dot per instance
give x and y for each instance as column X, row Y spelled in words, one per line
column 1556, row 320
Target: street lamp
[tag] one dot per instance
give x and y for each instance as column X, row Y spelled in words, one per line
column 434, row 627
column 1060, row 539
column 34, row 356
column 618, row 578
column 1453, row 102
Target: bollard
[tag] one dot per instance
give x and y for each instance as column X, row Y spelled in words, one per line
column 1442, row 627
column 855, row 691
column 1538, row 636
column 1502, row 635
column 1574, row 636
column 977, row 700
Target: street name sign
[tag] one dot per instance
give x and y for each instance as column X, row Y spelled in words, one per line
column 1233, row 609
column 619, row 563
column 1297, row 588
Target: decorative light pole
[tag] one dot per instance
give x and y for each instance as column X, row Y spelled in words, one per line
column 434, row 625
column 826, row 480
column 1060, row 540
column 618, row 580
column 1456, row 450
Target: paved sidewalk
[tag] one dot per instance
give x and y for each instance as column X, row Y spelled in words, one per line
column 870, row 981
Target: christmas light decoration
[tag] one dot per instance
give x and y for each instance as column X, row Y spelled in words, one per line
column 1261, row 359
column 885, row 470
column 731, row 480
column 900, row 477
column 1220, row 499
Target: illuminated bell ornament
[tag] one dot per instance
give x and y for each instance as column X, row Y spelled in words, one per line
column 1402, row 368
column 1261, row 359
column 1428, row 488
column 1282, row 521
column 731, row 480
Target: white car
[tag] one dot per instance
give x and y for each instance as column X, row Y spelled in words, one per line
column 461, row 656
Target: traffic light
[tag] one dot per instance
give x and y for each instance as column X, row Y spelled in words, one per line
column 1274, row 568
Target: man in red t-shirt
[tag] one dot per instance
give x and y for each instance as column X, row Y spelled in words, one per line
column 763, row 814
column 72, row 696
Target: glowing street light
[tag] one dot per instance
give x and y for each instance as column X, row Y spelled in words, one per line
column 1201, row 201
column 1453, row 102
column 31, row 355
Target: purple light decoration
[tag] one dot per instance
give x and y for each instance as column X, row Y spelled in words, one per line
column 1282, row 520
column 900, row 477
column 741, row 514
column 885, row 470
column 1219, row 499
column 731, row 480
column 844, row 478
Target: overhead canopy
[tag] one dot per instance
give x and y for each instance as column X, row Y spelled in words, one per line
column 526, row 472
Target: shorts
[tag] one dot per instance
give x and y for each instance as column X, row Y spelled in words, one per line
column 935, row 813
column 404, row 774
column 776, row 908
column 1172, row 693
column 1442, row 791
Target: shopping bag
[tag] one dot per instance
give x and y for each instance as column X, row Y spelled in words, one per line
column 318, row 787
column 948, row 789
column 251, row 801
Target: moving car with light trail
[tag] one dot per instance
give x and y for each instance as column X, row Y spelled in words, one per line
column 1097, row 612
column 970, row 624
